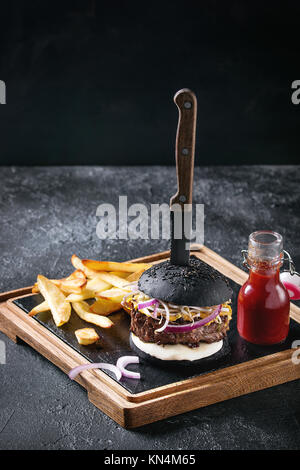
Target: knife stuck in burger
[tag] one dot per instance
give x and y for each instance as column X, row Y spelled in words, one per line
column 180, row 309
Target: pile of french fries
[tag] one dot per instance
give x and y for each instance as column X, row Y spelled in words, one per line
column 105, row 282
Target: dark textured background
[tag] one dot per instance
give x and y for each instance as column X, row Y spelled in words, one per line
column 47, row 214
column 92, row 82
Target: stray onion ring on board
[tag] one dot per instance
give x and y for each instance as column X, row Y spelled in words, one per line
column 119, row 369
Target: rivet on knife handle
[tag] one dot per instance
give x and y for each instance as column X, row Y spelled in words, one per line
column 185, row 146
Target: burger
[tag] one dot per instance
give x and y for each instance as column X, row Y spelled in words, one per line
column 179, row 314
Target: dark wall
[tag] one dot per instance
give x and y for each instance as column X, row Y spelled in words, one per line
column 92, row 82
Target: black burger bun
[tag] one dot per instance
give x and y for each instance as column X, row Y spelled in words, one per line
column 197, row 284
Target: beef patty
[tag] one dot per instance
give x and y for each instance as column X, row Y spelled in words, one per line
column 144, row 328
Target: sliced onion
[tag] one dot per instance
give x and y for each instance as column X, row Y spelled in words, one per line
column 167, row 313
column 123, row 361
column 148, row 303
column 151, row 313
column 154, row 313
column 202, row 309
column 95, row 365
column 191, row 326
column 125, row 298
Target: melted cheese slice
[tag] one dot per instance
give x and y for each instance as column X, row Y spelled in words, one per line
column 177, row 352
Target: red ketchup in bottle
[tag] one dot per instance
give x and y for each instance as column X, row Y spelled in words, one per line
column 263, row 301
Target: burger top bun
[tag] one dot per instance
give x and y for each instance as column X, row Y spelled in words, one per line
column 197, row 284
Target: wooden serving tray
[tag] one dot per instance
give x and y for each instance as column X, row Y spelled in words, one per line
column 163, row 392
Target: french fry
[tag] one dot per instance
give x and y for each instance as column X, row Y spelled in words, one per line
column 73, row 283
column 35, row 289
column 87, row 292
column 105, row 307
column 97, row 284
column 67, row 287
column 135, row 276
column 77, row 275
column 114, row 294
column 123, row 275
column 77, row 263
column 86, row 336
column 84, row 295
column 42, row 307
column 113, row 266
column 119, row 290
column 83, row 311
column 77, row 278
column 104, row 281
column 60, row 309
column 111, row 279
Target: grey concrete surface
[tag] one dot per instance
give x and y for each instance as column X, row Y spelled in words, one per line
column 47, row 214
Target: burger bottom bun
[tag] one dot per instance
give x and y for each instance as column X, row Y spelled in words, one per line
column 179, row 354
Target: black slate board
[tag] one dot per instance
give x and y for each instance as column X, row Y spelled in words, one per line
column 114, row 342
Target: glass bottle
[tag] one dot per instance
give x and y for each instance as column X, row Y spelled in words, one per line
column 263, row 301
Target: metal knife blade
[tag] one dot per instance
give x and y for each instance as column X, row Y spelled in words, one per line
column 181, row 226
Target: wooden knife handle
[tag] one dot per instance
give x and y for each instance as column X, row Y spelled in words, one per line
column 185, row 146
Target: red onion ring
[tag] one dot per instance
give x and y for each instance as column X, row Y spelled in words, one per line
column 95, row 365
column 192, row 326
column 123, row 361
column 148, row 303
